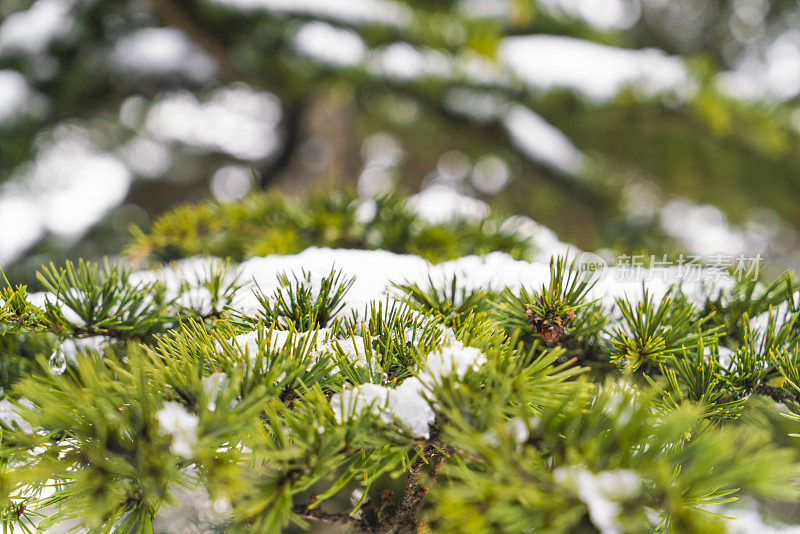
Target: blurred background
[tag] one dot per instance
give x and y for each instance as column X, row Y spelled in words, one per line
column 623, row 125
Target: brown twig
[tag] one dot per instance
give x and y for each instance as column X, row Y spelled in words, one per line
column 337, row 519
column 406, row 517
column 776, row 393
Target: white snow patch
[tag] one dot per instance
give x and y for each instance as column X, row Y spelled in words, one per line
column 544, row 241
column 21, row 214
column 594, row 70
column 190, row 510
column 517, row 428
column 374, row 272
column 455, row 359
column 9, row 415
column 231, row 182
column 704, row 230
column 74, row 185
column 602, row 493
column 146, row 156
column 173, row 419
column 69, row 348
column 781, row 313
column 407, row 403
column 403, row 404
column 33, row 30
column 162, row 51
column 198, row 299
column 748, row 521
column 374, row 269
column 404, row 61
column 542, row 141
column 329, row 44
column 439, row 204
column 771, row 71
column 14, row 95
column 68, row 188
column 480, row 106
column 212, row 385
column 357, row 11
column 603, row 14
column 235, row 120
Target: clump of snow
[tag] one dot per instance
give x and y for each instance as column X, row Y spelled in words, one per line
column 480, row 106
column 231, row 182
column 354, row 11
column 190, row 510
column 173, row 419
column 681, row 219
column 33, row 30
column 618, row 395
column 495, row 271
column 606, row 15
column 748, row 521
column 70, row 184
column 212, row 385
column 376, row 270
column 543, row 240
column 520, row 428
column 235, row 120
column 407, row 403
column 329, row 44
column 450, row 360
column 542, row 141
column 9, row 415
column 41, row 299
column 490, row 174
column 404, row 405
column 162, row 51
column 517, row 427
column 199, row 299
column 440, row 204
column 191, row 271
column 184, row 280
column 146, row 156
column 366, row 211
column 14, row 95
column 13, row 209
column 725, row 356
column 278, row 339
column 69, row 348
column 602, row 493
column 595, row 70
column 404, row 61
column 356, row 496
column 780, row 315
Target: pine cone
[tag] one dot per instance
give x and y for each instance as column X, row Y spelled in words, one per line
column 551, row 329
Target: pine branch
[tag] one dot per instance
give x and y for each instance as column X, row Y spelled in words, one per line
column 407, row 516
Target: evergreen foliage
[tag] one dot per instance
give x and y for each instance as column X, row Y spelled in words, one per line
column 445, row 405
column 271, row 223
